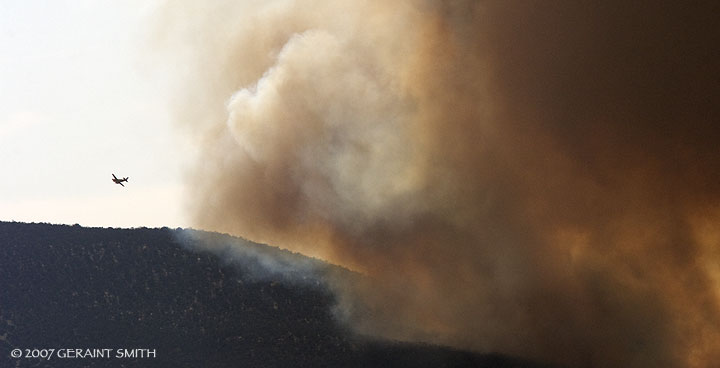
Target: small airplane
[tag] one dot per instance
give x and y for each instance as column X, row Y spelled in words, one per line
column 119, row 181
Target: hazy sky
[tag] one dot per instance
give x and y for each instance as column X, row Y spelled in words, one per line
column 80, row 99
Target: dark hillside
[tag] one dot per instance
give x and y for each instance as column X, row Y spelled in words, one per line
column 94, row 288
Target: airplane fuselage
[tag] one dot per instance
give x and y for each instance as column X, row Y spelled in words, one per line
column 119, row 181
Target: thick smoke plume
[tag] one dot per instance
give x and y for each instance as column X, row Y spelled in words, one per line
column 532, row 178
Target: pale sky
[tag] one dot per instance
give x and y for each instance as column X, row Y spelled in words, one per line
column 81, row 98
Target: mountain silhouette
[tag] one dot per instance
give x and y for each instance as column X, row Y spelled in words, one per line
column 241, row 305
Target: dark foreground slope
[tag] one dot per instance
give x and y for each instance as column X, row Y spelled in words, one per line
column 91, row 288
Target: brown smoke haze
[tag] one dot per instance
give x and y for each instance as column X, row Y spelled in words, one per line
column 532, row 178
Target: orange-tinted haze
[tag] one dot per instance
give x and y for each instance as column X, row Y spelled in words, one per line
column 532, row 178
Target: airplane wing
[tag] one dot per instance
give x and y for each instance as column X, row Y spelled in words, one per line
column 114, row 177
column 121, row 183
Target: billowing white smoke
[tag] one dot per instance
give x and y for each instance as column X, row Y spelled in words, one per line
column 527, row 178
column 342, row 121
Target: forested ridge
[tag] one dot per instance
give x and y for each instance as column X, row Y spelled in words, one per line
column 75, row 287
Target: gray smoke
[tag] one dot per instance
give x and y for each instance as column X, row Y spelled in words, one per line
column 530, row 178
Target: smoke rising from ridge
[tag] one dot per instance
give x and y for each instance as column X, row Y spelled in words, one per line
column 528, row 178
